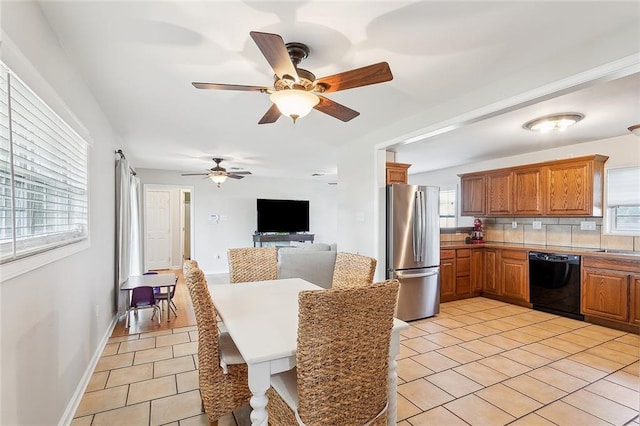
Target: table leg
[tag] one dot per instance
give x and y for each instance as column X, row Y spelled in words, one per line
column 392, row 379
column 259, row 382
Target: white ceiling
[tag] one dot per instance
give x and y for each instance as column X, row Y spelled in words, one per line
column 139, row 59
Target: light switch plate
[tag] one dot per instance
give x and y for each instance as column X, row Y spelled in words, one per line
column 536, row 224
column 514, row 224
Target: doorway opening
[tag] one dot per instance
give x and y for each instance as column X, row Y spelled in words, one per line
column 168, row 226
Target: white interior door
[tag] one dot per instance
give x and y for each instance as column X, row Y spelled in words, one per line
column 158, row 229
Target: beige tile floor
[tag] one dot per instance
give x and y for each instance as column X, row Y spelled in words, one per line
column 480, row 362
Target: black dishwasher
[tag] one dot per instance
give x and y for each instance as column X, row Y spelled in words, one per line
column 554, row 283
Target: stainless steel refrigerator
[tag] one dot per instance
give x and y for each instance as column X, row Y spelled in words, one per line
column 413, row 248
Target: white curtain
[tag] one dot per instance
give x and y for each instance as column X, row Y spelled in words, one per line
column 135, row 256
column 123, row 225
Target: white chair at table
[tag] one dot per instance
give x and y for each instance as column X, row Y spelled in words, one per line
column 341, row 360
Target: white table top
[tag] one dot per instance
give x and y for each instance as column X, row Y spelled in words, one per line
column 261, row 317
column 151, row 280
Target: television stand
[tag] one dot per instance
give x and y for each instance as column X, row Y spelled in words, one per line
column 272, row 238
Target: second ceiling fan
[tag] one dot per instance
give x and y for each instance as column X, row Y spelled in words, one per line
column 295, row 90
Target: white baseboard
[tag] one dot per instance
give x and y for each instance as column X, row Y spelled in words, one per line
column 67, row 416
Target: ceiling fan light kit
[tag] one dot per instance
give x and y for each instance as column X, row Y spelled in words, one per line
column 296, row 91
column 554, row 122
column 294, row 103
column 218, row 178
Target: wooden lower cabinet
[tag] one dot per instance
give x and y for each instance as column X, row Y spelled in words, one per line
column 605, row 294
column 447, row 275
column 634, row 298
column 491, row 271
column 514, row 274
column 460, row 273
column 611, row 291
column 477, row 270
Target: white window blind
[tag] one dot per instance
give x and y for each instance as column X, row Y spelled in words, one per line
column 623, row 187
column 43, row 175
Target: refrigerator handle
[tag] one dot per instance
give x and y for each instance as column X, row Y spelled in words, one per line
column 415, row 236
column 420, row 228
column 401, row 275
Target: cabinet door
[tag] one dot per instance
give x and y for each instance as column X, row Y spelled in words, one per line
column 569, row 188
column 491, row 271
column 463, row 269
column 447, row 274
column 527, row 191
column 514, row 274
column 604, row 294
column 477, row 270
column 472, row 195
column 397, row 172
column 634, row 297
column 499, row 193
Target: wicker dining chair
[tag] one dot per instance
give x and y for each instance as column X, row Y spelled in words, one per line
column 341, row 360
column 353, row 270
column 253, row 264
column 222, row 373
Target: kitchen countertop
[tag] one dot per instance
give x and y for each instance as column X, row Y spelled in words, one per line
column 582, row 251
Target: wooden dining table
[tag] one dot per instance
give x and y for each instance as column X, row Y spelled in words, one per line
column 262, row 319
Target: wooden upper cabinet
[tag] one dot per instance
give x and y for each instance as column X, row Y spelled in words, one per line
column 397, row 172
column 499, row 193
column 572, row 187
column 473, row 195
column 527, row 191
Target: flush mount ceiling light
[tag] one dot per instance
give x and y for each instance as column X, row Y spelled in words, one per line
column 557, row 122
column 294, row 103
column 635, row 129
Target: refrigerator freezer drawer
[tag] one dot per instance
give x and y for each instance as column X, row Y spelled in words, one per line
column 419, row 295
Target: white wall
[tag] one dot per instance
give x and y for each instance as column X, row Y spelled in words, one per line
column 235, row 203
column 53, row 319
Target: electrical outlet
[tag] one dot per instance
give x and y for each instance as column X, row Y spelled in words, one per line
column 514, row 224
column 536, row 224
column 588, row 225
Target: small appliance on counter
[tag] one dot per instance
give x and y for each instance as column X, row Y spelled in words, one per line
column 477, row 235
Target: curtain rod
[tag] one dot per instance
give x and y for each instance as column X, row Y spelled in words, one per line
column 119, row 151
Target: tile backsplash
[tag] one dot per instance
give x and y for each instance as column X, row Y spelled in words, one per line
column 553, row 232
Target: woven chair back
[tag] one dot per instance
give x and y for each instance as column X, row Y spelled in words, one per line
column 221, row 393
column 343, row 353
column 253, row 264
column 353, row 270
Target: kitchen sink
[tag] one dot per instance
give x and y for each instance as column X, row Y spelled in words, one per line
column 614, row 251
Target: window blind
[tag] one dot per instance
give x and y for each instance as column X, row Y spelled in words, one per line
column 43, row 180
column 623, row 187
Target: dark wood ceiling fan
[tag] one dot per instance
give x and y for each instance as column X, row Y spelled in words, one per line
column 219, row 174
column 289, row 80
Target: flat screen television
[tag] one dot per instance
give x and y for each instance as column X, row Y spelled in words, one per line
column 283, row 215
